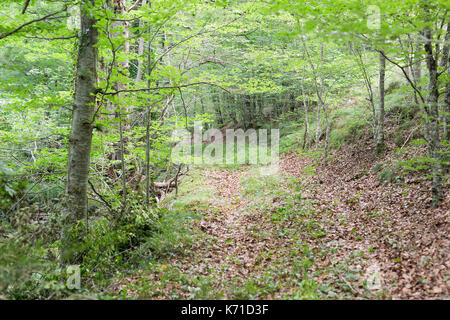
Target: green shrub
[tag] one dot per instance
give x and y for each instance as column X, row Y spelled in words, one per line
column 11, row 189
column 391, row 174
column 399, row 140
column 172, row 236
column 348, row 125
column 29, row 272
column 377, row 167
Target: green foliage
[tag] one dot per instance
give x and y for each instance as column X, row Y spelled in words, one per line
column 29, row 272
column 192, row 201
column 259, row 75
column 172, row 236
column 391, row 174
column 11, row 189
column 401, row 106
column 260, row 185
column 349, row 124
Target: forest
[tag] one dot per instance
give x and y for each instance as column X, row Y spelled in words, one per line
column 224, row 149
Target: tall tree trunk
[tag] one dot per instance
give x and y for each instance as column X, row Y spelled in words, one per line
column 80, row 135
column 318, row 129
column 148, row 178
column 433, row 115
column 446, row 64
column 446, row 117
column 380, row 129
column 320, row 102
column 140, row 68
column 359, row 54
column 319, row 91
column 416, row 70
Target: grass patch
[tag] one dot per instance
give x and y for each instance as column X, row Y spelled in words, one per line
column 259, row 185
column 189, row 200
column 348, row 124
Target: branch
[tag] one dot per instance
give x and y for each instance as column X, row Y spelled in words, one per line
column 188, row 38
column 50, row 39
column 319, row 93
column 184, row 106
column 134, row 6
column 405, row 73
column 25, row 6
column 101, row 197
column 30, row 22
column 161, row 88
column 23, row 197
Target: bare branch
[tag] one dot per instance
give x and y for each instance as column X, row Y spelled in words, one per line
column 405, row 73
column 134, row 6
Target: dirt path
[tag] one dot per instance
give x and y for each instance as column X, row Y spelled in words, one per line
column 232, row 248
column 230, row 256
column 299, row 235
column 230, row 251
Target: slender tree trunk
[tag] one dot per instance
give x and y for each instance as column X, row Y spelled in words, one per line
column 318, row 128
column 246, row 110
column 261, row 106
column 319, row 91
column 327, row 134
column 305, row 105
column 446, row 64
column 380, row 129
column 80, row 136
column 140, row 68
column 122, row 164
column 433, row 115
column 358, row 52
column 216, row 102
column 447, row 107
column 416, row 70
column 148, row 178
column 320, row 102
column 147, row 157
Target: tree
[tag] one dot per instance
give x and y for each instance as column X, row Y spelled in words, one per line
column 380, row 122
column 81, row 133
column 433, row 113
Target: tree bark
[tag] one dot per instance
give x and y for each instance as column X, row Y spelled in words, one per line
column 433, row 115
column 380, row 122
column 447, row 107
column 320, row 102
column 358, row 52
column 305, row 105
column 80, row 136
column 140, row 68
column 446, row 64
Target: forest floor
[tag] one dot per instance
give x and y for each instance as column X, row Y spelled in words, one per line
column 306, row 231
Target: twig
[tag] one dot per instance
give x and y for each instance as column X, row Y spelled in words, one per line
column 23, row 197
column 409, row 136
column 101, row 198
